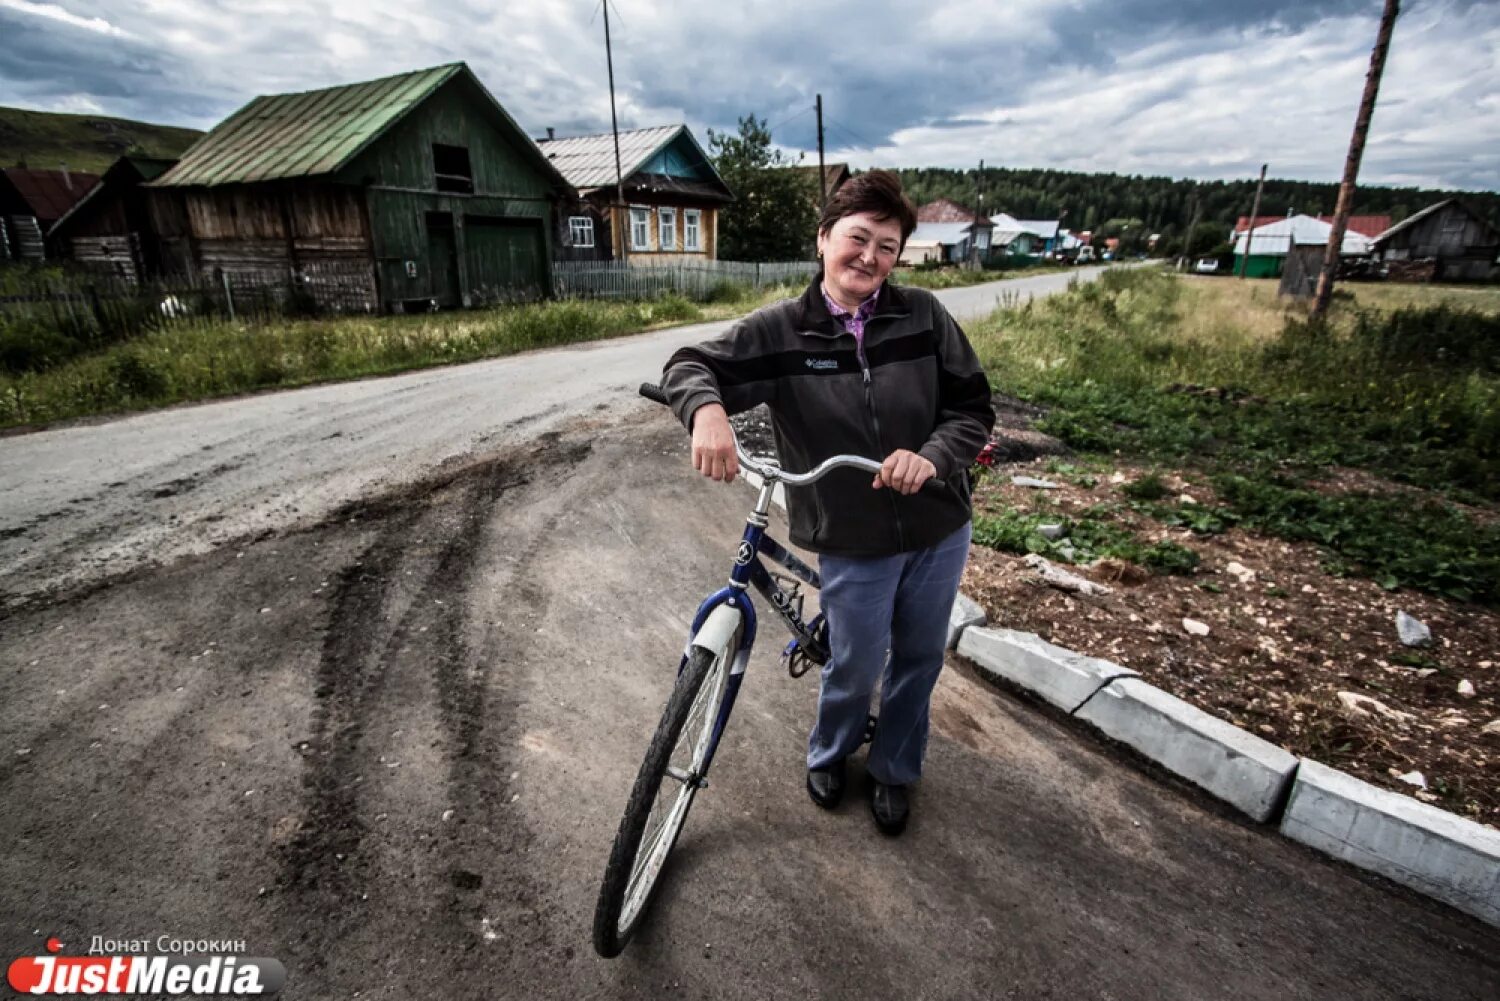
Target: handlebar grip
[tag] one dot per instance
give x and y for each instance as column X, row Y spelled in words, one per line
column 653, row 392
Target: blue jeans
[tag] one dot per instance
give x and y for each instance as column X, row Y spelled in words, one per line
column 874, row 605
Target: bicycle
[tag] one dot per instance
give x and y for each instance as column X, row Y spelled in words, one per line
column 708, row 681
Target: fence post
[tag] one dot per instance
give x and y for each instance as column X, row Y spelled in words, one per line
column 228, row 294
column 98, row 310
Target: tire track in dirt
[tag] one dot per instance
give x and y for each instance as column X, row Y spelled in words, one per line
column 367, row 666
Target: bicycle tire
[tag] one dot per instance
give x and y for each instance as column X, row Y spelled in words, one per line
column 629, row 880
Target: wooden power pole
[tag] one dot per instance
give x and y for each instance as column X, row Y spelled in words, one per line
column 1356, row 153
column 1250, row 229
column 974, row 226
column 822, row 178
column 622, row 214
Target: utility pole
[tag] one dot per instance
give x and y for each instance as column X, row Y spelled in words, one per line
column 822, row 178
column 1254, row 211
column 1356, row 153
column 974, row 227
column 622, row 214
column 1187, row 240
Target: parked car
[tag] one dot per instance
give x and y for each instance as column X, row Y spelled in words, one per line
column 1207, row 266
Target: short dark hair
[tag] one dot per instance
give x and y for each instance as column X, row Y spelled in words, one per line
column 877, row 192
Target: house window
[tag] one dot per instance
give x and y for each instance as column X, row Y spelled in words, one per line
column 666, row 227
column 692, row 229
column 640, row 229
column 450, row 165
column 581, row 229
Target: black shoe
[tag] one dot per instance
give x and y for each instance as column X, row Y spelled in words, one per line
column 890, row 807
column 826, row 785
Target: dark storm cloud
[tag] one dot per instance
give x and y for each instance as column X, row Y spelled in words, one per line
column 1153, row 86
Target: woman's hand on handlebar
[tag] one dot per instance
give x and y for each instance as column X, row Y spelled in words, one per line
column 713, row 444
column 904, row 472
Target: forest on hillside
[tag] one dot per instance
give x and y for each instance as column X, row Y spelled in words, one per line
column 1162, row 204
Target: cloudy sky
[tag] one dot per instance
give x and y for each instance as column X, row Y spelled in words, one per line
column 1187, row 88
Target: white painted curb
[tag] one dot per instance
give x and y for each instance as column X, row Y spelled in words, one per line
column 1061, row 677
column 1430, row 850
column 1243, row 770
column 1440, row 854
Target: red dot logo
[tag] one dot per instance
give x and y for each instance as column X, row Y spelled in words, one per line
column 54, row 944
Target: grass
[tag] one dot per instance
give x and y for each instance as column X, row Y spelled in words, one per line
column 954, row 277
column 45, row 140
column 1219, row 376
column 212, row 357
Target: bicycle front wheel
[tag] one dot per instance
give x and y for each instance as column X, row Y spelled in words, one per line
column 669, row 779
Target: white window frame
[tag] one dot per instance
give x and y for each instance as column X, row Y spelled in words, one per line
column 581, row 231
column 666, row 227
column 640, row 215
column 692, row 229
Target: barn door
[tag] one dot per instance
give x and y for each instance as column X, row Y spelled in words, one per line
column 442, row 258
column 506, row 259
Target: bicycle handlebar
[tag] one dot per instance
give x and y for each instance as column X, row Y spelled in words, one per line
column 771, row 471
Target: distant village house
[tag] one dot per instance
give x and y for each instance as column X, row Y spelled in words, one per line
column 1446, row 240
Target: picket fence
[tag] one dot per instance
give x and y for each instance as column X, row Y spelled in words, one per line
column 695, row 279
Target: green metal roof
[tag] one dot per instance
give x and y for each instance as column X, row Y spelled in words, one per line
column 308, row 134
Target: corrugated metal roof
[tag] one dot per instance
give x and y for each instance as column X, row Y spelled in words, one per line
column 309, row 134
column 946, row 233
column 1278, row 237
column 1044, row 228
column 1365, row 225
column 589, row 161
column 50, row 193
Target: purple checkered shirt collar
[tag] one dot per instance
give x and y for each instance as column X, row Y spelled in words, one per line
column 853, row 322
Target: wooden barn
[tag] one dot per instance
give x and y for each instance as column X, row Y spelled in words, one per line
column 672, row 191
column 109, row 230
column 1446, row 241
column 410, row 191
column 30, row 202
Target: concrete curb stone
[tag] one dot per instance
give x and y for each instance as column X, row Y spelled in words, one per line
column 1243, row 770
column 1430, row 850
column 1061, row 677
column 965, row 613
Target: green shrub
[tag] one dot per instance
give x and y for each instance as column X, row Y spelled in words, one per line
column 134, row 375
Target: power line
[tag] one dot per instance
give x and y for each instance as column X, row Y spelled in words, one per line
column 790, row 120
column 858, row 139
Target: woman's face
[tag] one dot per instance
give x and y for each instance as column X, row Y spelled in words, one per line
column 858, row 253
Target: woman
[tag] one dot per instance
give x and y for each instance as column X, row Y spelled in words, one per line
column 856, row 365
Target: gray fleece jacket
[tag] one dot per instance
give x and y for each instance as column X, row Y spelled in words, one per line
column 916, row 385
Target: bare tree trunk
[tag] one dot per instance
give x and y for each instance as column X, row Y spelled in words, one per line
column 1356, row 153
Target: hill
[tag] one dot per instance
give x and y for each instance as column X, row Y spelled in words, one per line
column 44, row 139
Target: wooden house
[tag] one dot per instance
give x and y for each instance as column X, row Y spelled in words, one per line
column 956, row 227
column 109, row 230
column 833, row 177
column 30, row 202
column 1459, row 245
column 410, row 191
column 672, row 193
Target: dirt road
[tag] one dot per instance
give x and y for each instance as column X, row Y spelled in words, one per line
column 91, row 501
column 390, row 750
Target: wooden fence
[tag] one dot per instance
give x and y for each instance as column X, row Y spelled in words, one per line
column 695, row 279
column 95, row 307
